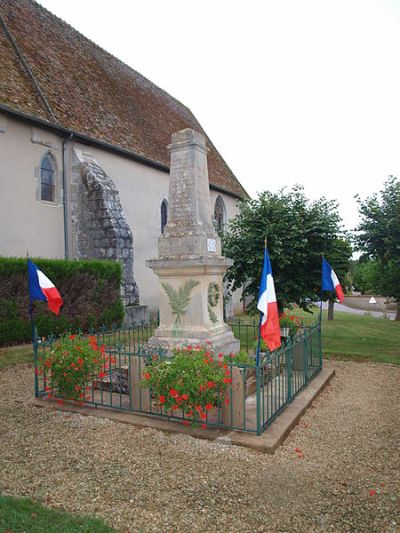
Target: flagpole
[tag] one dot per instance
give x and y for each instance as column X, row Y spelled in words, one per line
column 260, row 319
column 34, row 335
column 320, row 296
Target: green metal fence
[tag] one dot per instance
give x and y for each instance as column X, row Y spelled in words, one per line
column 256, row 393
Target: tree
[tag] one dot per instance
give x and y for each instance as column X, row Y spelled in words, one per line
column 378, row 237
column 364, row 274
column 298, row 232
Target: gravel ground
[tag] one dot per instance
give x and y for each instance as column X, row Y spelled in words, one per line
column 145, row 480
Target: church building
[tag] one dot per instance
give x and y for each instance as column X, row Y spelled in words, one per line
column 84, row 163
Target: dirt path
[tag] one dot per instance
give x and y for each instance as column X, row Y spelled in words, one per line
column 146, row 480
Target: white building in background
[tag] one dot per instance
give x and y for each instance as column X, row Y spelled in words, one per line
column 84, row 165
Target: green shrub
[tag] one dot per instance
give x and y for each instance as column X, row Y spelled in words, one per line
column 90, row 290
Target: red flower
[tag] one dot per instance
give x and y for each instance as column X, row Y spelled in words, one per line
column 225, row 366
column 203, row 426
column 161, row 399
column 206, row 361
column 227, row 372
column 203, row 387
column 220, row 355
column 189, row 347
column 203, row 415
column 372, row 492
column 60, row 401
column 227, row 380
column 382, row 483
column 47, row 388
column 227, row 401
column 209, row 406
column 147, row 376
column 72, row 337
column 186, row 422
column 184, row 397
column 173, row 393
column 211, row 384
column 77, row 387
column 189, row 413
column 36, row 371
column 198, row 408
column 175, row 407
column 102, row 375
column 80, row 360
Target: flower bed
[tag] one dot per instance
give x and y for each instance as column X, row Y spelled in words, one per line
column 190, row 384
column 71, row 366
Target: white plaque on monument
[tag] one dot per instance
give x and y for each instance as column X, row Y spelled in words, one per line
column 212, row 245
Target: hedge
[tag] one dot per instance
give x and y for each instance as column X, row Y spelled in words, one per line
column 90, row 290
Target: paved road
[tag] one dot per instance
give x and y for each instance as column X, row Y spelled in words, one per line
column 345, row 309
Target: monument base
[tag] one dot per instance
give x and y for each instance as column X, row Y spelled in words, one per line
column 225, row 342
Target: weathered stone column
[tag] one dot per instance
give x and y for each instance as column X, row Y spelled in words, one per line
column 190, row 266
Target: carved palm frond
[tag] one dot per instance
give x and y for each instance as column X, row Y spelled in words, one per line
column 179, row 299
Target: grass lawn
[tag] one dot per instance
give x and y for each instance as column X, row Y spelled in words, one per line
column 14, row 355
column 19, row 515
column 348, row 336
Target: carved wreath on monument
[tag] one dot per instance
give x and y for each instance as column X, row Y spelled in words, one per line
column 213, row 299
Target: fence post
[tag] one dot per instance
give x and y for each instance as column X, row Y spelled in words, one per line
column 140, row 397
column 258, row 399
column 305, row 353
column 289, row 365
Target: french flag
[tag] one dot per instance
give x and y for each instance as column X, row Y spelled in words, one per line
column 41, row 288
column 330, row 280
column 269, row 328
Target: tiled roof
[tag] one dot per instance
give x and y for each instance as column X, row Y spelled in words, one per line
column 89, row 90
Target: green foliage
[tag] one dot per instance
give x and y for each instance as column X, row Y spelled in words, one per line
column 73, row 361
column 191, row 383
column 90, row 290
column 378, row 236
column 180, row 299
column 364, row 276
column 19, row 515
column 298, row 232
column 240, row 358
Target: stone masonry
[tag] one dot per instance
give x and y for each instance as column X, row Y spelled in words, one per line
column 99, row 226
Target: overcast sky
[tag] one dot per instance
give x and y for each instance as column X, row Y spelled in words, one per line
column 289, row 91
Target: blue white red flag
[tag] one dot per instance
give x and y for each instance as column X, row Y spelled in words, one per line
column 41, row 288
column 269, row 328
column 330, row 280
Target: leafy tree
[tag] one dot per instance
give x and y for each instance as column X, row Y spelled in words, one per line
column 364, row 276
column 298, row 232
column 379, row 237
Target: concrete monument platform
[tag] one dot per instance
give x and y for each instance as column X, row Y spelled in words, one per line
column 267, row 442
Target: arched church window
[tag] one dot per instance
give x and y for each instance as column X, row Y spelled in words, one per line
column 220, row 214
column 47, row 179
column 164, row 215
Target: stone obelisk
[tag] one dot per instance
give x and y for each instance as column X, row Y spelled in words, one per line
column 190, row 266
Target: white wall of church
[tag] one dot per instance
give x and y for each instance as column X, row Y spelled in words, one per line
column 142, row 190
column 28, row 224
